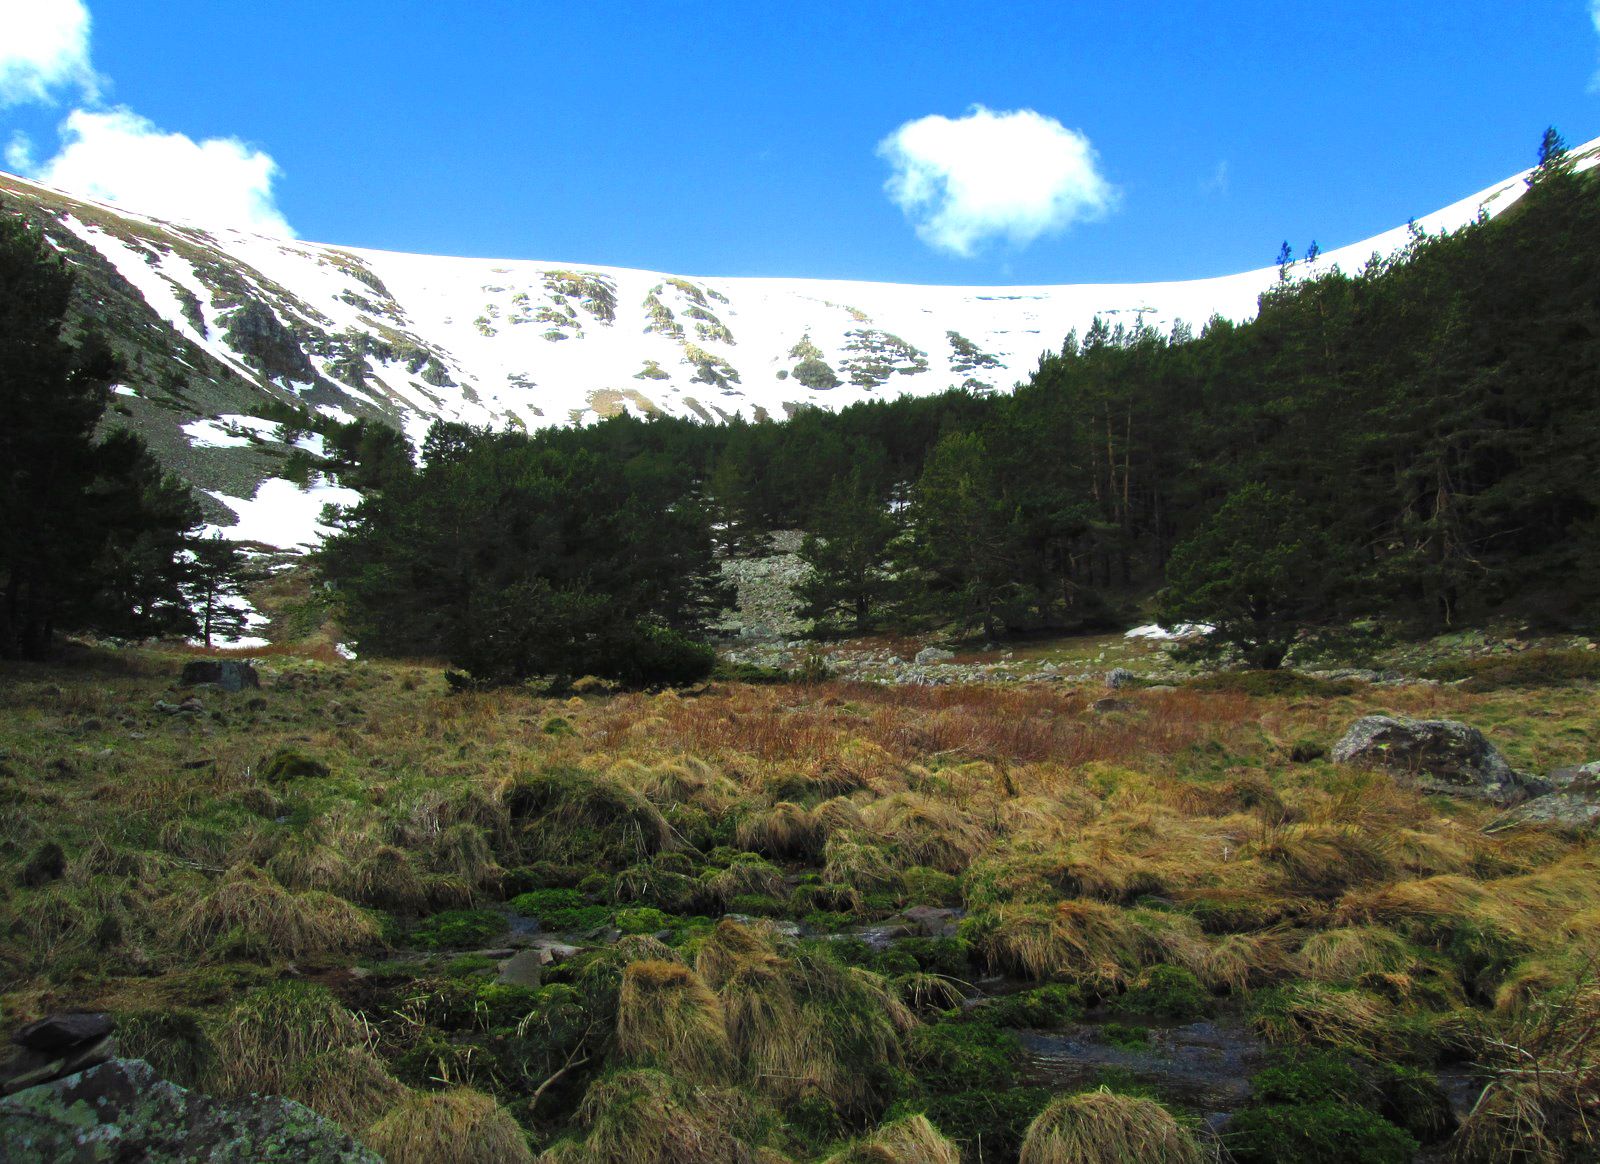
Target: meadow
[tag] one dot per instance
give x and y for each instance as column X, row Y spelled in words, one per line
column 806, row 922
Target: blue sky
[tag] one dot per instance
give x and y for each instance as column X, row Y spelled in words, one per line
column 1042, row 143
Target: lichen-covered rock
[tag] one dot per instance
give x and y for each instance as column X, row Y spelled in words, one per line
column 1119, row 677
column 933, row 655
column 228, row 674
column 1435, row 755
column 1572, row 805
column 121, row 1111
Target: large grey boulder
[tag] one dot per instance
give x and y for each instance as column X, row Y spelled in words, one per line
column 1435, row 755
column 122, row 1111
column 228, row 674
column 933, row 655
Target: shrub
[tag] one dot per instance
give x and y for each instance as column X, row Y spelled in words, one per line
column 1326, row 1132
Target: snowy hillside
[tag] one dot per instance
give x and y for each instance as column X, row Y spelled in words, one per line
column 210, row 322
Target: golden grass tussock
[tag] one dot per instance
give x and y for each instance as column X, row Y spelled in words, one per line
column 253, row 914
column 1104, row 1127
column 388, row 879
column 930, row 832
column 839, row 814
column 459, row 1126
column 858, row 860
column 347, row 1084
column 265, row 1039
column 909, row 1140
column 1310, row 1014
column 668, row 1017
column 1239, row 962
column 1351, row 953
column 1084, row 941
column 800, row 1022
column 928, row 993
column 305, row 861
column 558, row 813
column 786, row 831
column 744, row 878
column 641, row 1116
column 1042, row 821
column 463, row 851
column 1321, row 859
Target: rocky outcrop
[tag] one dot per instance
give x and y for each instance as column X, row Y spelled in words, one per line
column 255, row 331
column 1434, row 755
column 60, row 1045
column 122, row 1111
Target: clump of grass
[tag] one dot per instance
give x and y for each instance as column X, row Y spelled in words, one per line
column 641, row 1116
column 387, row 878
column 1350, row 954
column 288, row 764
column 459, row 1126
column 248, row 912
column 569, row 815
column 1104, row 1127
column 908, row 1140
column 1169, row 992
column 668, row 1017
column 273, row 1032
column 786, row 830
column 348, row 1084
column 457, row 928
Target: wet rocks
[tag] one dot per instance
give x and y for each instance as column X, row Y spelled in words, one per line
column 1434, row 755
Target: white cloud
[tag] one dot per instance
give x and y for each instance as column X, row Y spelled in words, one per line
column 44, row 46
column 1218, row 182
column 118, row 156
column 1594, row 18
column 1013, row 175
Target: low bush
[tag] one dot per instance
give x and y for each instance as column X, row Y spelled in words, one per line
column 1325, row 1132
column 457, row 928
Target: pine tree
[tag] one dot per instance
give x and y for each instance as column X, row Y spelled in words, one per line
column 848, row 558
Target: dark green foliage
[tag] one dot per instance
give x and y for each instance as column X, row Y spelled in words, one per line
column 1258, row 572
column 1413, row 1100
column 1309, row 1078
column 988, row 1123
column 1168, row 992
column 1325, row 1132
column 964, row 1056
column 93, row 535
column 1132, row 1038
column 850, row 577
column 457, row 928
column 291, row 764
column 519, row 558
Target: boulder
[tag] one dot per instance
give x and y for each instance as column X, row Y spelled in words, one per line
column 1572, row 805
column 60, row 1031
column 1434, row 755
column 933, row 655
column 228, row 674
column 1119, row 677
column 121, row 1111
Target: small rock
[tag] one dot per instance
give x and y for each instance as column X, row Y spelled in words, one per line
column 933, row 655
column 1107, row 705
column 524, row 967
column 1119, row 677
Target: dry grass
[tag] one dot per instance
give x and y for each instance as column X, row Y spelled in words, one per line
column 1103, row 1127
column 248, row 911
column 460, row 1126
column 911, row 1140
column 647, row 1117
column 266, row 1039
column 347, row 1084
column 668, row 1017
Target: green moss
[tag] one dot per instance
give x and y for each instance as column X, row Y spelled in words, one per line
column 1132, row 1038
column 558, row 725
column 949, row 1056
column 1308, row 1078
column 1169, row 992
column 1045, row 1008
column 560, row 910
column 924, row 886
column 642, row 920
column 456, row 928
column 1328, row 1132
column 758, row 905
column 987, row 1124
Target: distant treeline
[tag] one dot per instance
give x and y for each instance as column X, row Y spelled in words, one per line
column 1434, row 418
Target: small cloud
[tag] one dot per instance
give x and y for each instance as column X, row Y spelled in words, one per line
column 1014, row 175
column 45, row 48
column 1217, row 183
column 19, row 153
column 1594, row 19
column 118, row 156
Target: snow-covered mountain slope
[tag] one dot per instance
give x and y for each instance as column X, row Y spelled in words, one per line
column 211, row 322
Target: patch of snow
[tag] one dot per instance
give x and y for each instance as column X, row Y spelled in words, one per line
column 1156, row 632
column 282, row 513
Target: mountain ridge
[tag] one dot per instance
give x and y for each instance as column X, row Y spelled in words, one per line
column 210, row 323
